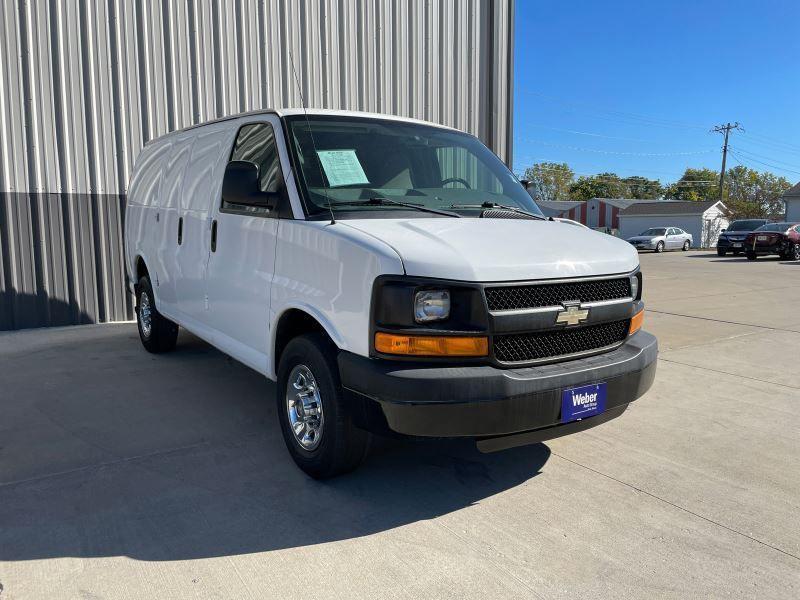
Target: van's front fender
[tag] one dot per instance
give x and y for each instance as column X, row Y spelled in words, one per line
column 328, row 270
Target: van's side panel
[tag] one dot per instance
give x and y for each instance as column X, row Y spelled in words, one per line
column 203, row 181
column 169, row 206
column 328, row 271
column 240, row 270
column 141, row 217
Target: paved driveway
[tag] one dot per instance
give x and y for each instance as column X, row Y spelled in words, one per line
column 127, row 475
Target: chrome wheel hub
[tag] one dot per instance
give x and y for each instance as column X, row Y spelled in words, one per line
column 145, row 314
column 304, row 407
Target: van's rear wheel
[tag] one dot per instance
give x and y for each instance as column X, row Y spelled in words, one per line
column 158, row 334
column 318, row 431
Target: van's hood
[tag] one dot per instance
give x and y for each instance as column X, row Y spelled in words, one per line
column 472, row 249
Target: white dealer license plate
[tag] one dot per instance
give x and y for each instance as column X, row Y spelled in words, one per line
column 762, row 238
column 737, row 244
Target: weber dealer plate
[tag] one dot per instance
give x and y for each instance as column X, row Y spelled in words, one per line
column 582, row 402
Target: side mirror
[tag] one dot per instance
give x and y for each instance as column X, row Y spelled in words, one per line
column 526, row 183
column 240, row 186
column 721, row 230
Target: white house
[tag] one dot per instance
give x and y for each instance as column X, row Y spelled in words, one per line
column 704, row 220
column 791, row 198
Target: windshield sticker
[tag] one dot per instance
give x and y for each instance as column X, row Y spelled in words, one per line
column 342, row 167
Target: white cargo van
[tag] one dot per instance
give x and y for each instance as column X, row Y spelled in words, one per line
column 392, row 275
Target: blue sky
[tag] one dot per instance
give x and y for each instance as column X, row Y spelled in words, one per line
column 633, row 87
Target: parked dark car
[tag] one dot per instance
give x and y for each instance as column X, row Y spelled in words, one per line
column 732, row 238
column 782, row 239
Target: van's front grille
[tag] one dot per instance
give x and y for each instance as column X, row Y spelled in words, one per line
column 543, row 345
column 553, row 294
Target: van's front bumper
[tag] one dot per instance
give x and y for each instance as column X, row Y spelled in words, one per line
column 485, row 401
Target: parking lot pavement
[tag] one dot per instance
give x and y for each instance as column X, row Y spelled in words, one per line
column 128, row 475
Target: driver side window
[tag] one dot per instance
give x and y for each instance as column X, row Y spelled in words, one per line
column 255, row 143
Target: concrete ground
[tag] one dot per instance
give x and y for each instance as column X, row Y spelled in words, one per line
column 124, row 475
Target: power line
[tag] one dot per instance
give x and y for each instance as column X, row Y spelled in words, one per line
column 623, row 178
column 650, row 120
column 747, row 159
column 591, row 134
column 627, row 180
column 657, row 121
column 768, row 139
column 615, row 152
column 749, row 152
column 540, row 159
column 534, row 161
column 769, row 145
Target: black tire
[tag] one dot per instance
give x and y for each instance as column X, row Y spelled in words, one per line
column 720, row 252
column 163, row 333
column 794, row 253
column 660, row 247
column 751, row 255
column 341, row 446
column 686, row 246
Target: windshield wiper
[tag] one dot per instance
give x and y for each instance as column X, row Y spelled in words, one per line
column 500, row 206
column 388, row 202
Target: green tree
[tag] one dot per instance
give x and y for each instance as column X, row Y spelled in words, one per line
column 642, row 187
column 750, row 193
column 602, row 185
column 550, row 181
column 695, row 185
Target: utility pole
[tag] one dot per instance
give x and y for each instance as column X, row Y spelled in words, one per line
column 726, row 129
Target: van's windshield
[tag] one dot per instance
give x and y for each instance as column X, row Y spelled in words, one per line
column 356, row 164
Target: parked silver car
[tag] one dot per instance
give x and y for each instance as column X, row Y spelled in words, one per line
column 659, row 239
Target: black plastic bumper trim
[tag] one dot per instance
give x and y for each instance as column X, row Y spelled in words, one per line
column 483, row 401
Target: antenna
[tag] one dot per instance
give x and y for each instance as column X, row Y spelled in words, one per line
column 311, row 133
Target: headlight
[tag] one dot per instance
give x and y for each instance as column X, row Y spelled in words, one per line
column 431, row 305
column 636, row 281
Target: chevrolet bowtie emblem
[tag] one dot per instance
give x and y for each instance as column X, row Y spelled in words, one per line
column 572, row 315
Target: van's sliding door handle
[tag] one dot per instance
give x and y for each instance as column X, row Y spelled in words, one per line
column 214, row 235
column 180, row 231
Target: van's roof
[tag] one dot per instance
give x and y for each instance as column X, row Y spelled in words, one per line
column 288, row 112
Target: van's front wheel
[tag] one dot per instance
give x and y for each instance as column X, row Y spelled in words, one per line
column 158, row 334
column 318, row 431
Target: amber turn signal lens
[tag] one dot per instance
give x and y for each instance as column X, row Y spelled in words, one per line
column 426, row 345
column 636, row 322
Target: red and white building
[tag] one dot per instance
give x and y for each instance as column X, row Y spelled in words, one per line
column 597, row 213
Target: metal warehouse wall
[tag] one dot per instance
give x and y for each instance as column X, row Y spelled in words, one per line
column 85, row 84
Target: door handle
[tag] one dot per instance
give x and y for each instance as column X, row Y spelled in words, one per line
column 180, row 231
column 214, row 235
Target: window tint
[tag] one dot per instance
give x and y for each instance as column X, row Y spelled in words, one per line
column 748, row 225
column 780, row 227
column 255, row 143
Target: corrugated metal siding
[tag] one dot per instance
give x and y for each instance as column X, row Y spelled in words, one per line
column 84, row 84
